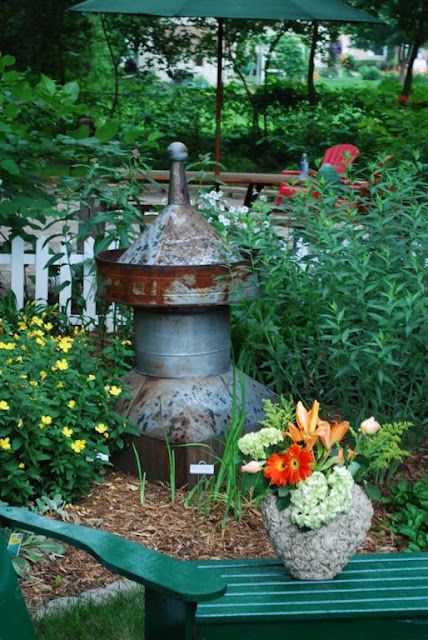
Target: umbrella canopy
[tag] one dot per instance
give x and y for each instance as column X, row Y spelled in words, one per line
column 305, row 10
column 328, row 10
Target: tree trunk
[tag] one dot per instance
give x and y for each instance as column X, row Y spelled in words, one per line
column 312, row 94
column 409, row 73
column 418, row 41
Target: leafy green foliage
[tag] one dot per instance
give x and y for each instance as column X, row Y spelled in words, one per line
column 341, row 315
column 279, row 414
column 57, row 419
column 382, row 451
column 410, row 518
column 46, row 37
column 33, row 549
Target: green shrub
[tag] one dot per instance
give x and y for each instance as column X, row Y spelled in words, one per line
column 57, row 420
column 370, row 73
column 410, row 517
column 341, row 315
column 382, row 451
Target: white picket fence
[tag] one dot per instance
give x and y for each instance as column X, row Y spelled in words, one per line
column 19, row 259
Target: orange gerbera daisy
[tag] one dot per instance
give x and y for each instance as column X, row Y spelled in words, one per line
column 289, row 467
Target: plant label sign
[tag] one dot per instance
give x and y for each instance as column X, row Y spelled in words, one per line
column 14, row 543
column 202, row 468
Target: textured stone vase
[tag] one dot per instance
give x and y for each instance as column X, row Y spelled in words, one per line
column 318, row 554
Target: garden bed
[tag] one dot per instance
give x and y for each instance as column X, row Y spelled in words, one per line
column 173, row 529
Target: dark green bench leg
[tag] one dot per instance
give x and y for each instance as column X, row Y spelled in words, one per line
column 167, row 618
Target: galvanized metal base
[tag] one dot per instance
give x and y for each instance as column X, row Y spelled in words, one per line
column 193, row 410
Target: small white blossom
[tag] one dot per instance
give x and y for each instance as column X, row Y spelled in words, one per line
column 223, row 220
column 254, row 444
column 318, row 500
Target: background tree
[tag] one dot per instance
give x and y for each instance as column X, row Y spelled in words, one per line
column 161, row 43
column 44, row 37
column 406, row 24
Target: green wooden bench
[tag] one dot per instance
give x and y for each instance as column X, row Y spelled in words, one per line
column 376, row 597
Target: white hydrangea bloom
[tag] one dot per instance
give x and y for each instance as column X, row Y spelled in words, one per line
column 254, row 444
column 318, row 500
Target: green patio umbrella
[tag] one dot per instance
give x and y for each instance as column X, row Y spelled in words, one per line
column 305, row 10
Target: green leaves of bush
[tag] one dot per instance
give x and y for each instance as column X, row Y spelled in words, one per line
column 342, row 314
column 58, row 425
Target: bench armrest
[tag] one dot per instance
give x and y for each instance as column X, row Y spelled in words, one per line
column 176, row 578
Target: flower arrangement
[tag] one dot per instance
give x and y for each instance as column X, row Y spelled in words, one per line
column 58, row 425
column 303, row 463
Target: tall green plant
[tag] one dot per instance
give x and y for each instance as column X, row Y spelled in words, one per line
column 342, row 315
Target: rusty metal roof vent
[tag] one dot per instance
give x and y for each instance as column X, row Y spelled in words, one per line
column 180, row 279
column 179, row 260
column 179, row 235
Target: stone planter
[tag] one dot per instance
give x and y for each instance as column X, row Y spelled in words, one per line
column 318, row 554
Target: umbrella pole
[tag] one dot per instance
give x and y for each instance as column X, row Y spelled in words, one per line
column 219, row 95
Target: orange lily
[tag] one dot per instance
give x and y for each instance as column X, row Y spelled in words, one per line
column 341, row 457
column 307, row 420
column 332, row 434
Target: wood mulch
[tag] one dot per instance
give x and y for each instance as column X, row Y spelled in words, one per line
column 169, row 527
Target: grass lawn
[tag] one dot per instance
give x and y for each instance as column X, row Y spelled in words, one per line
column 119, row 618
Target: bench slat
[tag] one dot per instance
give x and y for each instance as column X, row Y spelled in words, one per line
column 374, row 585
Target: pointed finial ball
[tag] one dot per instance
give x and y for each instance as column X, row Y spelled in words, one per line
column 178, row 152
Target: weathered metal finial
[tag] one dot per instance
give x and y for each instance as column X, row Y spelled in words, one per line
column 178, row 193
column 178, row 152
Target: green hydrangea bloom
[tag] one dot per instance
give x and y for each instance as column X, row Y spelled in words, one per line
column 318, row 500
column 254, row 444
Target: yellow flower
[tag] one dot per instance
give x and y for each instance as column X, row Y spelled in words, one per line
column 124, row 343
column 101, row 428
column 9, row 361
column 4, row 406
column 36, row 333
column 78, row 445
column 23, row 376
column 60, row 365
column 65, row 344
column 71, row 404
column 60, row 385
column 48, row 326
column 37, row 321
column 113, row 390
column 91, row 377
column 23, row 347
column 40, row 342
column 18, row 359
column 21, row 465
column 67, row 432
column 43, row 374
column 7, row 346
column 33, row 383
column 5, row 444
column 106, row 435
column 19, row 423
column 22, row 326
column 45, row 421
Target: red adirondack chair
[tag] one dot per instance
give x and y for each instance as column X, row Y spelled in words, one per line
column 340, row 156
